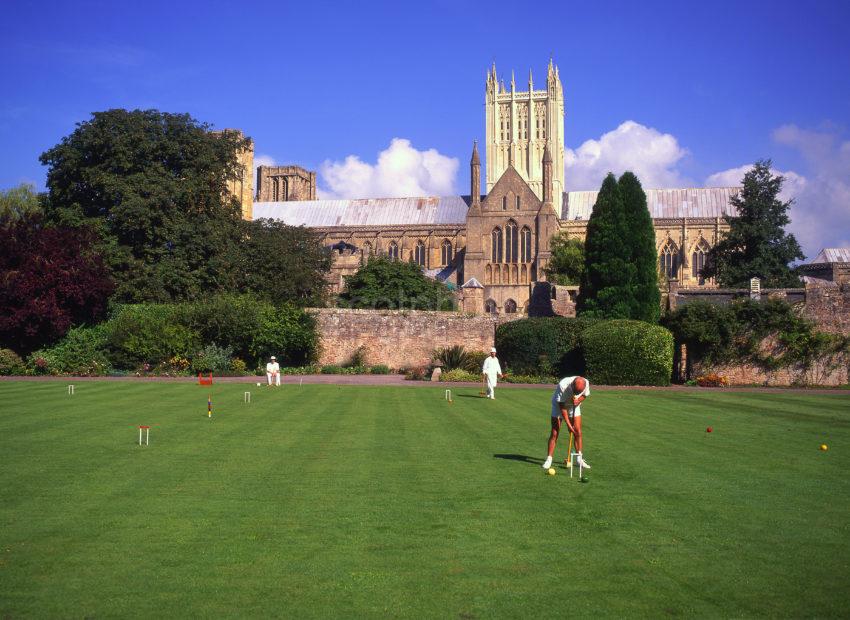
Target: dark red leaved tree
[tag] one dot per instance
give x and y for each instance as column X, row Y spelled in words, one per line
column 50, row 280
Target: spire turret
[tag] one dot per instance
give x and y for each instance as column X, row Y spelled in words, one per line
column 475, row 175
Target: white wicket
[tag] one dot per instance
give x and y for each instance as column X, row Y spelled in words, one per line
column 71, row 390
column 147, row 432
column 449, row 395
column 247, row 397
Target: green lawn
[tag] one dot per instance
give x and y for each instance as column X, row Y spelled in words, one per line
column 325, row 501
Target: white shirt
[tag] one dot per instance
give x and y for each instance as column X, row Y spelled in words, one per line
column 491, row 367
column 272, row 368
column 564, row 393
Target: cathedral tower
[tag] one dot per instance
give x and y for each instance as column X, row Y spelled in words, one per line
column 518, row 126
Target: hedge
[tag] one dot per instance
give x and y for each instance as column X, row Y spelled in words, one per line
column 623, row 352
column 543, row 346
column 82, row 352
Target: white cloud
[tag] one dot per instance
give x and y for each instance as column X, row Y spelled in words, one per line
column 263, row 160
column 401, row 171
column 650, row 154
column 820, row 215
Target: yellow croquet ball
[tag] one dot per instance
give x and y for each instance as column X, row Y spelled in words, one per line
column 551, row 471
column 824, row 447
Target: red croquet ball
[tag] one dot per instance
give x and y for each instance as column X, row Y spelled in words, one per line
column 709, row 429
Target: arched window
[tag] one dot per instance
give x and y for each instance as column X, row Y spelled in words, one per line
column 525, row 245
column 496, row 243
column 669, row 259
column 490, row 306
column 510, row 307
column 504, row 203
column 446, row 253
column 698, row 260
column 367, row 249
column 419, row 254
column 511, row 242
column 517, row 203
column 392, row 251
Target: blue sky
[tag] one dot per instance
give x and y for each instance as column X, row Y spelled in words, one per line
column 387, row 97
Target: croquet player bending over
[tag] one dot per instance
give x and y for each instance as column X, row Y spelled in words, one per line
column 273, row 371
column 491, row 371
column 566, row 407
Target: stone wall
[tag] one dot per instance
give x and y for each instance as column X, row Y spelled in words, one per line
column 828, row 305
column 831, row 371
column 398, row 338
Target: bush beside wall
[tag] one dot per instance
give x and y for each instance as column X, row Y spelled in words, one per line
column 623, row 352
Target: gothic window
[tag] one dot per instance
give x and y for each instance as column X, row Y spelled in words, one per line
column 367, row 249
column 698, row 260
column 504, row 203
column 511, row 242
column 419, row 254
column 490, row 306
column 496, row 243
column 392, row 251
column 517, row 203
column 510, row 307
column 446, row 254
column 669, row 259
column 525, row 245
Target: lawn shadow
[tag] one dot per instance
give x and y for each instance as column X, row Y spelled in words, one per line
column 469, row 396
column 519, row 457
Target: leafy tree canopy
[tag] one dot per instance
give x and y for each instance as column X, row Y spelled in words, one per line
column 52, row 279
column 386, row 284
column 756, row 244
column 566, row 265
column 153, row 184
column 18, row 203
column 283, row 264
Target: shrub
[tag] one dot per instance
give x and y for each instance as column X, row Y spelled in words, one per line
column 238, row 366
column 543, row 346
column 287, row 332
column 379, row 369
column 11, row 363
column 475, row 360
column 623, row 352
column 332, row 369
column 455, row 357
column 358, row 358
column 211, row 358
column 535, row 379
column 149, row 333
column 712, row 380
column 83, row 351
column 415, row 373
column 459, row 374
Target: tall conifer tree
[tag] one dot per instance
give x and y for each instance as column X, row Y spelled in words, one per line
column 756, row 244
column 640, row 240
column 607, row 289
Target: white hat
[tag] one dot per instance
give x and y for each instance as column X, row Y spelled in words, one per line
column 273, row 357
column 492, row 349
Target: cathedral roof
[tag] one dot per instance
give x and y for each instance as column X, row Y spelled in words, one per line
column 832, row 255
column 427, row 211
column 708, row 202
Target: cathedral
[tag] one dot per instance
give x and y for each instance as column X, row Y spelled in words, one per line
column 493, row 247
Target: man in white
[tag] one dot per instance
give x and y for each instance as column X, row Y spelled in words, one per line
column 491, row 371
column 273, row 371
column 566, row 406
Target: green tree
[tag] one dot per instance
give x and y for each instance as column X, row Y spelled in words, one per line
column 756, row 244
column 18, row 203
column 283, row 264
column 153, row 184
column 607, row 287
column 386, row 284
column 641, row 244
column 566, row 265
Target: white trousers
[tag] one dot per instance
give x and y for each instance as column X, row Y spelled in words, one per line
column 276, row 378
column 491, row 386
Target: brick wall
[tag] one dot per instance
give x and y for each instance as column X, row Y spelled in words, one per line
column 830, row 371
column 398, row 338
column 828, row 305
